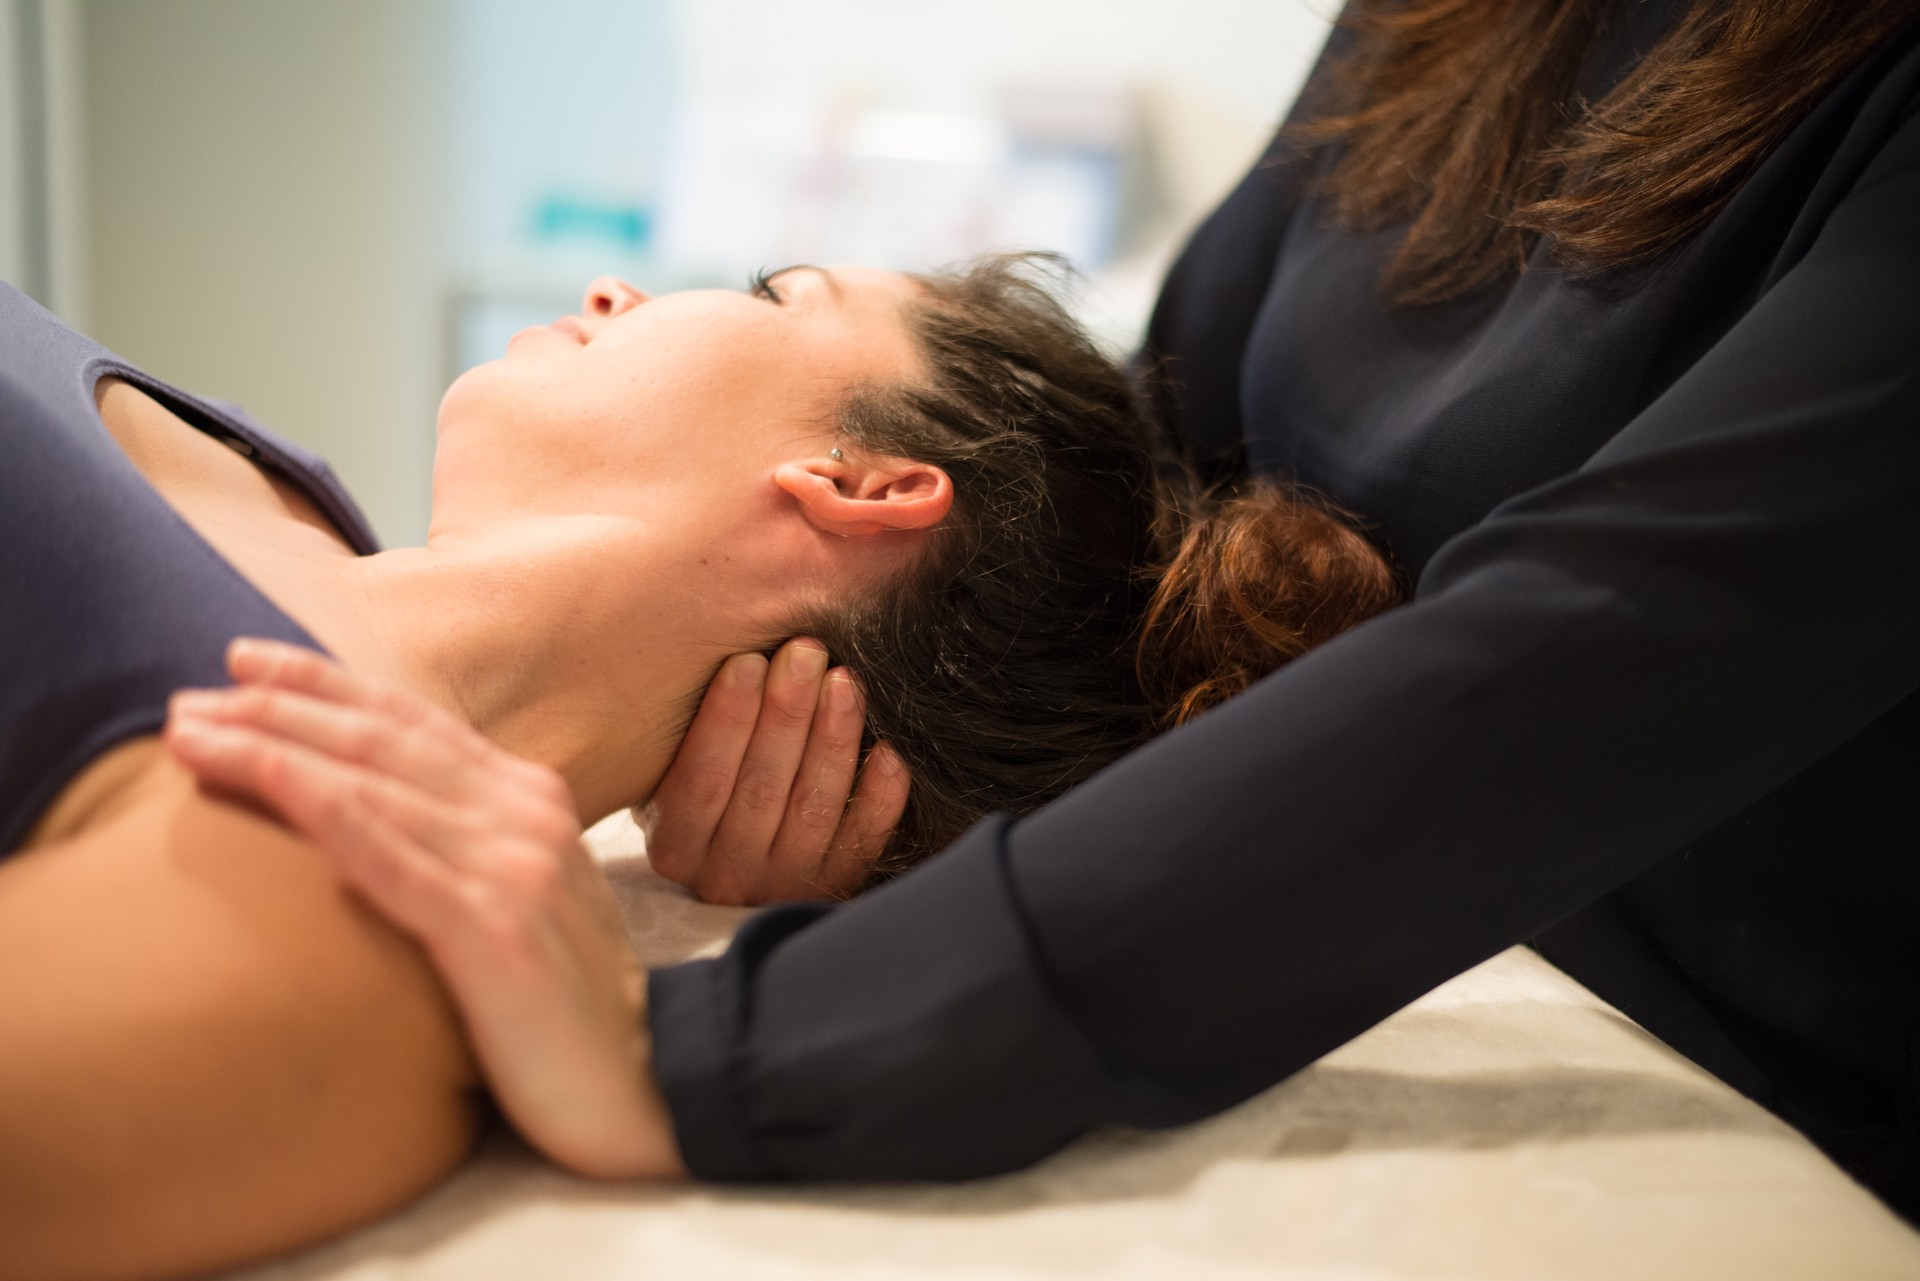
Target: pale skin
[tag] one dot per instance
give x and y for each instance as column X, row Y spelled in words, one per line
column 238, row 1025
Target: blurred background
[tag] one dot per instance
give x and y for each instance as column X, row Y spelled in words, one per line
column 324, row 211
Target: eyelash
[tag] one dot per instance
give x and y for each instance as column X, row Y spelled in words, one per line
column 760, row 285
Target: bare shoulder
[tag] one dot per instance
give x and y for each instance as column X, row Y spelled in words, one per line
column 209, row 1051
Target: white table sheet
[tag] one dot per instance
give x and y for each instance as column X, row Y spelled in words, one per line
column 1507, row 1125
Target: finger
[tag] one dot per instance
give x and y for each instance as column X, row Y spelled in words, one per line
column 324, row 801
column 256, row 661
column 345, row 732
column 447, row 824
column 819, row 796
column 685, row 809
column 744, row 838
column 306, row 786
column 215, row 754
column 879, row 801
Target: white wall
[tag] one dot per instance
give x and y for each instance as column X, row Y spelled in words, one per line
column 1246, row 55
column 559, row 96
column 42, row 155
column 1232, row 66
column 1211, row 79
column 267, row 207
column 15, row 254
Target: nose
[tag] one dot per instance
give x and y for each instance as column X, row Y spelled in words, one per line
column 610, row 296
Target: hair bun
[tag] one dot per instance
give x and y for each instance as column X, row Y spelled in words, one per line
column 1259, row 578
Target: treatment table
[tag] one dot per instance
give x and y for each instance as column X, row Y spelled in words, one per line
column 1507, row 1125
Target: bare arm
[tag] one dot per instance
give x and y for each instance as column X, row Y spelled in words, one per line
column 209, row 1051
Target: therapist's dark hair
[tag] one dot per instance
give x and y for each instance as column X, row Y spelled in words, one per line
column 1463, row 120
column 1079, row 599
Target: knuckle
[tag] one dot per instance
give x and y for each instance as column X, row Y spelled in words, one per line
column 272, row 769
column 847, row 880
column 674, row 865
column 759, row 790
column 467, row 828
column 330, row 808
column 501, row 926
column 252, row 701
column 366, row 790
column 419, row 738
column 842, row 743
column 785, row 876
column 699, row 789
column 299, row 661
column 863, row 842
column 550, row 785
column 363, row 738
column 720, row 888
column 551, row 828
column 774, row 889
column 408, row 709
column 818, row 808
column 790, row 705
column 537, row 876
column 733, row 716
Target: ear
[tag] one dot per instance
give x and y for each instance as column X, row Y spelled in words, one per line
column 853, row 497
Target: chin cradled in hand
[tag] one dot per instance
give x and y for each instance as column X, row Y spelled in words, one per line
column 476, row 854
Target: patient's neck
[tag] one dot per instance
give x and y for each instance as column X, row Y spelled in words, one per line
column 554, row 643
column 569, row 639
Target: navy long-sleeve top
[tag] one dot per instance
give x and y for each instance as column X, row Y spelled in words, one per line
column 1652, row 707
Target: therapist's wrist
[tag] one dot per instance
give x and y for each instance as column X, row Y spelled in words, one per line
column 619, row 1127
column 658, row 1150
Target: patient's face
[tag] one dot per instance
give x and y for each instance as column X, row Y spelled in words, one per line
column 681, row 403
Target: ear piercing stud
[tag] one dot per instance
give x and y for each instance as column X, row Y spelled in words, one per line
column 835, row 454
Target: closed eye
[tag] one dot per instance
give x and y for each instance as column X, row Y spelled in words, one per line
column 760, row 285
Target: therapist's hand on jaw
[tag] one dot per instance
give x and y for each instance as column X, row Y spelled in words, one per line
column 475, row 853
column 755, row 807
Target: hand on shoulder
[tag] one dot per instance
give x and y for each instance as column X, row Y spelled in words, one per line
column 477, row 855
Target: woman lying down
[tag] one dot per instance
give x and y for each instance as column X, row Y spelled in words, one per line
column 210, row 1052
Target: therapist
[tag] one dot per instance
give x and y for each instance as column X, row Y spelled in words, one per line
column 1604, row 312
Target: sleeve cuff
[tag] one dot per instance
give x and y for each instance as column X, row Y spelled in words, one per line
column 909, row 1034
column 694, row 1011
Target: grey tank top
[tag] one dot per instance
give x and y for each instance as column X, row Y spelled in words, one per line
column 109, row 601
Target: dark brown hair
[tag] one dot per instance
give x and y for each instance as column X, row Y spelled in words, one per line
column 1460, row 118
column 1076, row 602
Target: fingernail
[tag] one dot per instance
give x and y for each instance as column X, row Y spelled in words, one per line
column 261, row 657
column 809, row 661
column 750, row 670
column 187, row 732
column 840, row 691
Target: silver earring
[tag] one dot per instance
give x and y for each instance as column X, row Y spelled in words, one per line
column 835, row 454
